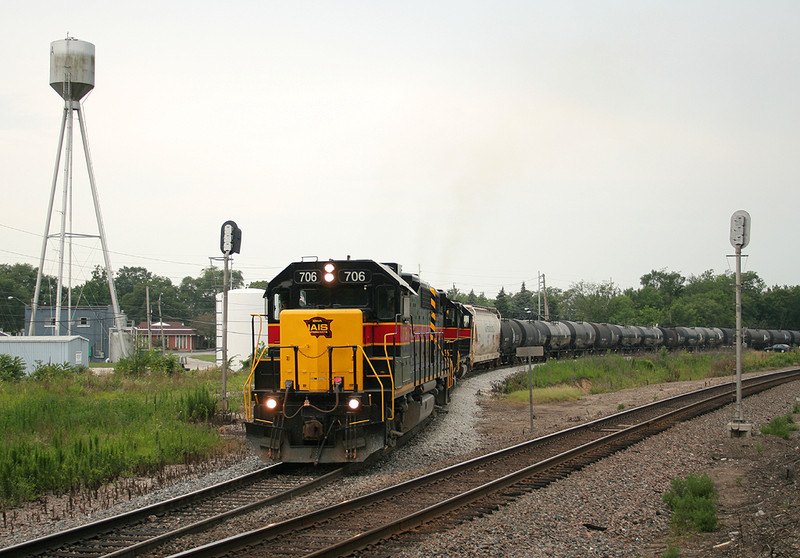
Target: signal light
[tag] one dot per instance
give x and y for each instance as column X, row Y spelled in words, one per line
column 271, row 403
column 354, row 403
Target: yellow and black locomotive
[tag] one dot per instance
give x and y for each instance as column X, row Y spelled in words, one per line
column 356, row 356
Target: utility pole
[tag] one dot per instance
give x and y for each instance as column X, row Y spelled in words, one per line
column 161, row 323
column 149, row 318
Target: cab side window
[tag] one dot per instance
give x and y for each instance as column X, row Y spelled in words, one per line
column 385, row 302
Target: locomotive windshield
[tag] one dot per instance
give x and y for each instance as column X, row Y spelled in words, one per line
column 380, row 302
column 344, row 297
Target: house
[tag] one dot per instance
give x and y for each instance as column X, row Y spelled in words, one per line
column 94, row 323
column 176, row 336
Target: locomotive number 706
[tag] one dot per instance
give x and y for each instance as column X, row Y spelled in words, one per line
column 354, row 276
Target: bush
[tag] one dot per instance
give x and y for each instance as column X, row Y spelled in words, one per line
column 52, row 371
column 198, row 405
column 693, row 502
column 12, row 369
column 781, row 427
column 144, row 360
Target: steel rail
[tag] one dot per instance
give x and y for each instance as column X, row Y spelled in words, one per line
column 50, row 543
column 710, row 398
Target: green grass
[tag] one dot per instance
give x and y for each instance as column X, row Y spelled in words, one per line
column 614, row 372
column 69, row 432
column 781, row 427
column 693, row 503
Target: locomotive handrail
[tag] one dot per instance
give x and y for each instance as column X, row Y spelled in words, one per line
column 388, row 366
column 247, row 391
column 383, row 392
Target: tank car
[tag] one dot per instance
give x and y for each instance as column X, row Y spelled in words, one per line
column 520, row 340
column 652, row 338
column 555, row 336
column 582, row 336
column 630, row 338
column 606, row 337
column 780, row 336
column 757, row 338
column 355, row 358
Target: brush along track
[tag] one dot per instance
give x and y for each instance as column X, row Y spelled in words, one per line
column 479, row 485
column 136, row 532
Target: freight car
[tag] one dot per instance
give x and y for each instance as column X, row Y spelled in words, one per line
column 566, row 338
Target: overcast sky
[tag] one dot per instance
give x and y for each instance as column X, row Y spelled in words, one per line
column 477, row 142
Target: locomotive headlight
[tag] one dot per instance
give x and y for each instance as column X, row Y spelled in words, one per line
column 329, row 272
column 271, row 403
column 354, row 403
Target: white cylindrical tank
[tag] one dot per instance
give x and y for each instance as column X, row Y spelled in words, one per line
column 241, row 304
column 71, row 68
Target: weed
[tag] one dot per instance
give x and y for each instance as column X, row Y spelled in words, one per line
column 620, row 407
column 781, row 427
column 672, row 552
column 693, row 502
column 12, row 369
column 73, row 431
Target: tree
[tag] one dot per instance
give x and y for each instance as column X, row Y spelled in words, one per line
column 502, row 303
column 198, row 294
column 591, row 302
column 523, row 306
column 17, row 285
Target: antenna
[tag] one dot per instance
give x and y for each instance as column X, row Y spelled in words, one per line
column 72, row 77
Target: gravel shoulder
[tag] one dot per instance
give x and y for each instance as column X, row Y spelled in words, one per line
column 611, row 508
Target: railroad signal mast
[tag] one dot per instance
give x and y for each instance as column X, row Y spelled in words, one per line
column 740, row 238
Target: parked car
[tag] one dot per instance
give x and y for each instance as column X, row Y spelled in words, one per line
column 779, row 348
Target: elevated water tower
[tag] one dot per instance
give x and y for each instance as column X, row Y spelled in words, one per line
column 72, row 77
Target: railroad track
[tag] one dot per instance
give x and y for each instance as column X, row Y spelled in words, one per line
column 476, row 486
column 142, row 530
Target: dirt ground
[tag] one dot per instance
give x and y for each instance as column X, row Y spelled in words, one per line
column 756, row 478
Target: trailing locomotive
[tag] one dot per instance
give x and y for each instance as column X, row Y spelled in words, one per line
column 357, row 355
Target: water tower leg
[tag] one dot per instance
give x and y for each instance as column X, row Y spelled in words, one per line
column 39, row 273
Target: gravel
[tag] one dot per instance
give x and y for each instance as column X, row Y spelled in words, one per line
column 611, row 508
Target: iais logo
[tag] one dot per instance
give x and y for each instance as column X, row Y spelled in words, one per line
column 319, row 327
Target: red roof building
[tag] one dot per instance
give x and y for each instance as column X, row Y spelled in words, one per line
column 176, row 335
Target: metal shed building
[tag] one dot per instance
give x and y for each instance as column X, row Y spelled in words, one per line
column 71, row 349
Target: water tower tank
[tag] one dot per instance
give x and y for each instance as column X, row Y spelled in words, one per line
column 71, row 68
